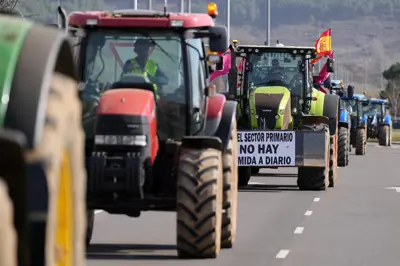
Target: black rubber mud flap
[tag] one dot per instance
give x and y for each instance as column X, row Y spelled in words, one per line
column 48, row 50
column 331, row 110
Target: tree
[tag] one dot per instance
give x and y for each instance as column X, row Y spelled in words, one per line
column 392, row 75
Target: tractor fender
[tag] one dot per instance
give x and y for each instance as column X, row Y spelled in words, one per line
column 49, row 51
column 331, row 110
column 228, row 117
column 217, row 128
column 387, row 120
column 344, row 120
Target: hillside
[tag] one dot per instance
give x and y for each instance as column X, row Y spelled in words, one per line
column 365, row 32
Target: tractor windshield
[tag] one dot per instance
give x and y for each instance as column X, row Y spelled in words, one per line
column 372, row 109
column 136, row 56
column 350, row 105
column 112, row 55
column 277, row 69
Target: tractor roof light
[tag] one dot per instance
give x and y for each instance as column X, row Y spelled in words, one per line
column 212, row 10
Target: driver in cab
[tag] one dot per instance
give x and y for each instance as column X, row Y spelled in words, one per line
column 274, row 77
column 142, row 64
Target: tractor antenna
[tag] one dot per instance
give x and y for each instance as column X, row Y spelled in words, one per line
column 165, row 7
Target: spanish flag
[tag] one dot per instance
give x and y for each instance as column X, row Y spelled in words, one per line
column 324, row 44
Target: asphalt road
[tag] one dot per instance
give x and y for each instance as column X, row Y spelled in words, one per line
column 357, row 223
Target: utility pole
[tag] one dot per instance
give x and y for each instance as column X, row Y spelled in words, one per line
column 150, row 4
column 268, row 33
column 134, row 3
column 182, row 6
column 189, row 6
column 228, row 19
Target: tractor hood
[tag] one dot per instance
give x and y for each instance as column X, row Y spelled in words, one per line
column 270, row 107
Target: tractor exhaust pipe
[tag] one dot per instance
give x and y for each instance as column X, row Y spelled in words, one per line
column 63, row 16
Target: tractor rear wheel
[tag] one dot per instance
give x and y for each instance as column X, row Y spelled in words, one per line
column 199, row 203
column 230, row 195
column 361, row 141
column 315, row 178
column 8, row 240
column 62, row 151
column 343, row 149
column 244, row 175
column 384, row 135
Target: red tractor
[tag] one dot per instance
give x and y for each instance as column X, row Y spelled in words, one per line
column 159, row 138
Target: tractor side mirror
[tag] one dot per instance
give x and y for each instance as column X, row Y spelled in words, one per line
column 218, row 39
column 232, row 81
column 330, row 65
column 350, row 91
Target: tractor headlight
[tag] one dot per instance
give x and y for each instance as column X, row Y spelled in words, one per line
column 277, row 117
column 139, row 140
column 281, row 112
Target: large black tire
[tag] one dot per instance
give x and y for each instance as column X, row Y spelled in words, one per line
column 244, row 175
column 255, row 170
column 62, row 148
column 199, row 203
column 384, row 135
column 90, row 226
column 230, row 195
column 333, row 162
column 349, row 138
column 8, row 240
column 343, row 149
column 315, row 178
column 361, row 141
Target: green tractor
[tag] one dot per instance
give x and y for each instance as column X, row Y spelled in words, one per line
column 283, row 121
column 43, row 179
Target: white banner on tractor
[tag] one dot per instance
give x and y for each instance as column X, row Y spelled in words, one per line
column 266, row 148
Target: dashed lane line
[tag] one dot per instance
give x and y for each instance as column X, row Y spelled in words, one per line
column 308, row 213
column 316, row 199
column 97, row 211
column 282, row 254
column 298, row 230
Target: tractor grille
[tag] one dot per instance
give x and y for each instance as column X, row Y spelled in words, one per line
column 267, row 106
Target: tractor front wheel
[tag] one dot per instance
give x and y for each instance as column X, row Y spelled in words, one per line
column 343, row 149
column 199, row 203
column 384, row 135
column 230, row 195
column 333, row 161
column 244, row 175
column 89, row 227
column 361, row 141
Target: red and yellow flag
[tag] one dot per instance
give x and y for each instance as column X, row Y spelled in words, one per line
column 324, row 43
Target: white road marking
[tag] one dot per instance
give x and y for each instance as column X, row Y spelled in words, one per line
column 97, row 211
column 298, row 230
column 395, row 188
column 316, row 199
column 256, row 183
column 308, row 213
column 282, row 254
